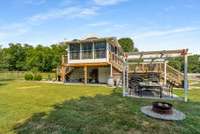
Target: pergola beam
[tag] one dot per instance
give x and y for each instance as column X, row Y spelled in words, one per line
column 149, row 55
column 164, row 52
column 186, row 77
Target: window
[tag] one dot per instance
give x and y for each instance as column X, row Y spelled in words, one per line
column 87, row 51
column 74, row 51
column 100, row 50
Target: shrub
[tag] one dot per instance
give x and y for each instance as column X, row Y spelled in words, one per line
column 38, row 77
column 28, row 76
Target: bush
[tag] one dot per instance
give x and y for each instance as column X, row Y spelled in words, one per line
column 28, row 76
column 38, row 77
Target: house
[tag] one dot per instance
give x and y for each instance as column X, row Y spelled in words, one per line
column 93, row 60
column 102, row 60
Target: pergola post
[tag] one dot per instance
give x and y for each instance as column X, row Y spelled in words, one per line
column 165, row 72
column 186, row 77
column 123, row 77
column 126, row 75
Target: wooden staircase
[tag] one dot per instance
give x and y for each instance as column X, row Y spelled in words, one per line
column 69, row 71
column 173, row 75
column 116, row 61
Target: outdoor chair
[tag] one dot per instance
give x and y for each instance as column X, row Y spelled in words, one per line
column 134, row 84
column 169, row 88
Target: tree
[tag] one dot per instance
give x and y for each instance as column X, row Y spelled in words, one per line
column 193, row 63
column 15, row 57
column 127, row 45
column 58, row 50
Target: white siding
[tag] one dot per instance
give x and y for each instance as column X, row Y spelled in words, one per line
column 103, row 73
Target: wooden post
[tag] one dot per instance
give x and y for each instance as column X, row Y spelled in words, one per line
column 123, row 82
column 85, row 74
column 63, row 59
column 123, row 77
column 186, row 77
column 111, row 71
column 127, row 75
column 63, row 73
column 165, row 72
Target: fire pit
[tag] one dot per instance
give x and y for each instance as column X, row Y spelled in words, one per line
column 162, row 107
column 163, row 111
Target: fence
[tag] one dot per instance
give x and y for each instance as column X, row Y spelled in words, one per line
column 19, row 75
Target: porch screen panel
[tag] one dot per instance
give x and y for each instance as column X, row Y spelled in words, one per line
column 87, row 51
column 100, row 50
column 74, row 51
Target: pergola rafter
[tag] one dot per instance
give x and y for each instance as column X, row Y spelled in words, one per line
column 156, row 54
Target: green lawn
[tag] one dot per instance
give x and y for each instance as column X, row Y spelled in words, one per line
column 32, row 107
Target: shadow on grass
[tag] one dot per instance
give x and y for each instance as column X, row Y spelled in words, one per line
column 3, row 82
column 6, row 80
column 99, row 114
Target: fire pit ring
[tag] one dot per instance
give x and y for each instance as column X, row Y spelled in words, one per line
column 162, row 107
column 163, row 111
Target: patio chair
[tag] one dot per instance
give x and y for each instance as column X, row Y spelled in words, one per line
column 134, row 84
column 169, row 88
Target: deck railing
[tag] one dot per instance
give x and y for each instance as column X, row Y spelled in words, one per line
column 116, row 61
column 64, row 59
column 146, row 67
column 172, row 74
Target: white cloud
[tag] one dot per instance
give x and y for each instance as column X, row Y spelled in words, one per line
column 35, row 2
column 16, row 29
column 87, row 12
column 11, row 30
column 108, row 2
column 101, row 23
column 74, row 11
column 166, row 32
column 70, row 12
column 169, row 8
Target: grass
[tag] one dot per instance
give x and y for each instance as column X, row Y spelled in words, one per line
column 20, row 100
column 194, row 92
column 40, row 108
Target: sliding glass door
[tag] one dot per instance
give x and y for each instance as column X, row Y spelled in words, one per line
column 74, row 51
column 100, row 50
column 87, row 52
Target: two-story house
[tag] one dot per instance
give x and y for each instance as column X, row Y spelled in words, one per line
column 93, row 60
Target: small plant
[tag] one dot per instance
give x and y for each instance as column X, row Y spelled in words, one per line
column 28, row 76
column 37, row 77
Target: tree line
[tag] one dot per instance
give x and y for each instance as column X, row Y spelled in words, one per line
column 193, row 63
column 25, row 57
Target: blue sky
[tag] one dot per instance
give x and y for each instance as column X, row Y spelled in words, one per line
column 152, row 24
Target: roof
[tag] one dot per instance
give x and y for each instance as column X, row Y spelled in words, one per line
column 111, row 40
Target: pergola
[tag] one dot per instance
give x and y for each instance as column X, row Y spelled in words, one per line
column 155, row 56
